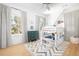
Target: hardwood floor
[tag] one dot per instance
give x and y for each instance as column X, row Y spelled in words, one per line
column 72, row 50
column 17, row 50
column 20, row 50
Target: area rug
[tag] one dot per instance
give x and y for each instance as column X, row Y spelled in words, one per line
column 38, row 48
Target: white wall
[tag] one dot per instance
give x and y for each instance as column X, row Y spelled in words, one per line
column 16, row 39
column 58, row 9
column 55, row 12
column 30, row 20
column 31, row 9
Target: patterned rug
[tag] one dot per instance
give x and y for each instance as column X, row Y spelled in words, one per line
column 38, row 48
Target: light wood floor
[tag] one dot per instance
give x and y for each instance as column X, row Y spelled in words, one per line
column 17, row 50
column 20, row 50
column 72, row 50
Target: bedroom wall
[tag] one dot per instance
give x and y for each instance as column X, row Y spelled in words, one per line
column 30, row 21
column 32, row 11
column 55, row 13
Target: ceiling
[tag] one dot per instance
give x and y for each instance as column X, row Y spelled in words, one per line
column 35, row 7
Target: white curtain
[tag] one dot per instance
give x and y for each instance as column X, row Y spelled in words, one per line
column 71, row 20
column 4, row 25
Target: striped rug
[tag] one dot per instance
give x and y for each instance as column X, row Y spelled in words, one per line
column 42, row 49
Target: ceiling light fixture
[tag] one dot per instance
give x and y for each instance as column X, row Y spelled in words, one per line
column 47, row 11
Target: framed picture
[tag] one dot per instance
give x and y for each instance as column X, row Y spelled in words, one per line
column 16, row 21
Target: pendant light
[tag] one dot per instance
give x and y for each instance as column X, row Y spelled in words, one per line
column 47, row 6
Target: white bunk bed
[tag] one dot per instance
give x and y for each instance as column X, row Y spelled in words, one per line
column 47, row 35
column 59, row 38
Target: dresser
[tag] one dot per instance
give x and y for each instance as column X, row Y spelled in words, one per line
column 33, row 35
